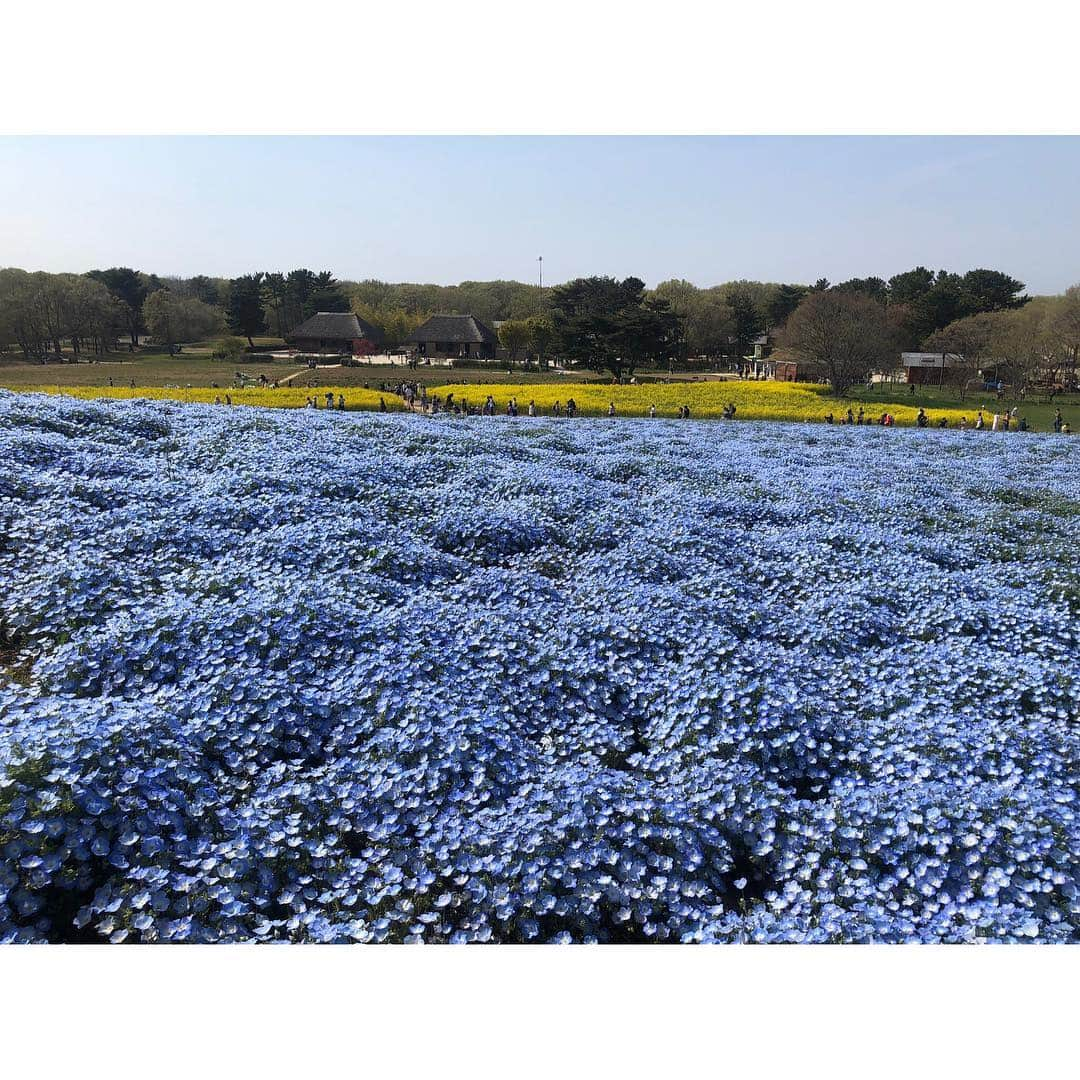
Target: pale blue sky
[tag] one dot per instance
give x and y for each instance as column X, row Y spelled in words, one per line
column 446, row 209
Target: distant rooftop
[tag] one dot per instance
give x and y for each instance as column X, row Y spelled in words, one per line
column 454, row 330
column 335, row 326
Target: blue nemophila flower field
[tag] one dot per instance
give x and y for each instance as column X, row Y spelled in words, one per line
column 314, row 677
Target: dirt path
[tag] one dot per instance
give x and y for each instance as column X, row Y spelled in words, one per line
column 286, row 379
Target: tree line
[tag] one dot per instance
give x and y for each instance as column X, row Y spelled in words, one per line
column 596, row 321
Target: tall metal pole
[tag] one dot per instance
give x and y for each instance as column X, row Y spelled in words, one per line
column 540, row 306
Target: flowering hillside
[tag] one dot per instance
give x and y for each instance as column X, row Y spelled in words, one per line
column 272, row 675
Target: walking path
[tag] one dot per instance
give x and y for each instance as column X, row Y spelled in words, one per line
column 306, row 370
column 286, row 380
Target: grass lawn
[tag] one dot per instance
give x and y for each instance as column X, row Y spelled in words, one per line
column 147, row 369
column 195, row 367
column 1036, row 408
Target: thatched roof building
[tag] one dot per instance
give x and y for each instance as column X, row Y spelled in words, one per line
column 454, row 336
column 336, row 332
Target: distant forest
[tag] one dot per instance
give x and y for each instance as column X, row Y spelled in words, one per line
column 96, row 310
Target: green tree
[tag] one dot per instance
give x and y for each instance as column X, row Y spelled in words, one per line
column 610, row 324
column 275, row 298
column 874, row 287
column 541, row 337
column 911, row 286
column 942, row 303
column 231, row 348
column 711, row 329
column 131, row 289
column 748, row 318
column 395, row 323
column 326, row 295
column 514, row 335
column 171, row 319
column 244, row 310
column 783, row 301
column 990, row 290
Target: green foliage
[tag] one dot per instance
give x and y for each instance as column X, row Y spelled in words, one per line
column 489, row 301
column 783, row 301
column 38, row 312
column 131, row 288
column 610, row 324
column 541, row 335
column 244, row 311
column 289, row 299
column 911, row 286
column 170, row 318
column 874, row 287
column 396, row 324
column 514, row 337
column 231, row 348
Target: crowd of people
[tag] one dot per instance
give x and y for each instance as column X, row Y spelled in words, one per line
column 313, row 401
column 416, row 397
column 1003, row 421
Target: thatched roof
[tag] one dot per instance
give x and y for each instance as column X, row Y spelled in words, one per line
column 334, row 326
column 454, row 330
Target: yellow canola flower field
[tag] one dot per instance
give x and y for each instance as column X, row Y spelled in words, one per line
column 793, row 402
column 752, row 400
column 287, row 397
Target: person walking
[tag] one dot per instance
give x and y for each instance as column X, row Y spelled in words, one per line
column 1057, row 417
column 611, row 408
column 571, row 408
column 652, row 412
column 341, row 402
